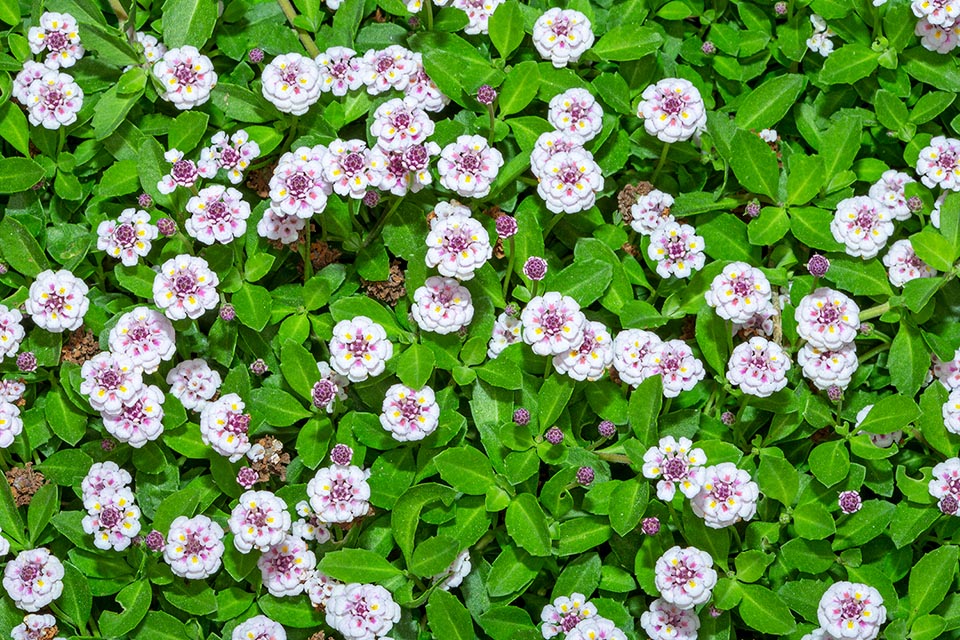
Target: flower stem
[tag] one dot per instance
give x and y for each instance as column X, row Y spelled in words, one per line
column 493, row 123
column 872, row 352
column 660, row 162
column 874, row 312
column 615, row 457
column 305, row 38
column 550, row 225
column 307, row 264
column 382, row 222
column 428, row 10
column 118, row 10
column 511, row 261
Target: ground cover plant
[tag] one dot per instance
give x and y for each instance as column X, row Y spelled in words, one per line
column 479, row 318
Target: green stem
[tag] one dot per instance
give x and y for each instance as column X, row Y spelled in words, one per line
column 615, row 457
column 428, row 10
column 660, row 162
column 877, row 349
column 493, row 123
column 550, row 225
column 305, row 38
column 118, row 10
column 875, row 312
column 382, row 222
column 511, row 261
column 307, row 263
column 666, row 406
column 533, row 290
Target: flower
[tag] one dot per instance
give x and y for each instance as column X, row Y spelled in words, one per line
column 478, row 13
column 391, row 68
column 409, row 414
column 651, row 212
column 596, row 628
column 903, row 265
column 286, row 566
column 128, row 237
column 863, row 225
column 403, row 171
column 939, row 163
column 937, row 12
column 506, row 331
column 828, row 367
column 849, row 501
column 259, row 628
column 948, row 373
column 57, row 301
column 675, row 362
column 562, row 36
column 273, row 226
column 27, row 362
column 341, row 454
column 818, row 265
column 12, row 390
column 521, row 417
column 442, row 305
column 889, row 191
column 320, row 587
column 298, row 187
column 678, row 465
column 565, row 613
column 677, row 250
column 665, row 621
column 553, row 435
column 506, row 226
column 585, row 476
column 291, row 82
column 486, row 94
column 588, row 361
column 728, row 495
column 194, row 547
column 455, row 573
column 685, row 577
column 552, row 324
column 423, row 89
column 650, row 526
column 938, row 38
column 183, row 173
column 185, row 287
column 33, row 579
column 569, row 181
column 145, row 336
column 340, row 493
column 11, row 424
column 851, row 610
column 11, row 331
column 359, row 348
column 362, row 611
column 759, row 367
column 153, row 49
column 457, row 245
column 469, row 166
column 351, row 169
column 36, row 626
column 944, row 484
column 53, row 100
column 139, row 422
column 400, row 123
column 827, row 319
column 232, row 154
column 110, row 381
column 187, row 75
column 331, row 386
column 607, row 429
column 739, row 292
column 102, row 478
column 821, row 43
column 247, row 477
column 219, row 214
column 551, row 143
column 193, row 383
column 630, row 350
column 535, row 268
column 113, row 519
column 340, row 70
column 672, row 110
column 951, row 412
column 224, row 425
column 58, row 36
column 577, row 112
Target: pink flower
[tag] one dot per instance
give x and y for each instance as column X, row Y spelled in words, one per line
column 863, row 225
column 340, row 70
column 362, row 611
column 651, row 212
column 630, row 350
column 11, row 424
column 224, row 425
column 259, row 521
column 298, row 186
column 187, row 76
column 478, row 13
column 141, row 421
column 110, row 381
column 685, row 577
column 469, row 166
column 889, row 191
column 506, row 331
column 423, row 89
column 359, row 348
column 102, row 478
column 588, row 361
column 185, row 287
column 407, row 170
column 291, row 82
column 340, row 493
column 410, row 414
column 113, row 520
column 728, row 495
column 562, row 36
column 351, row 169
column 550, row 144
column 665, row 621
column 35, row 626
column 939, row 38
column 596, row 628
column 675, row 362
column 259, row 628
column 391, row 68
column 183, row 173
column 939, row 163
column 53, row 100
column 233, row 154
column 677, row 250
column 553, row 324
column 577, row 112
column 11, row 331
column 672, row 110
column 442, row 305
column 739, row 292
column 827, row 319
column 852, row 610
column 903, row 265
column 194, row 547
column 145, row 336
column 128, row 237
column 458, row 245
column 286, row 566
column 21, row 83
column 193, row 383
column 219, row 214
column 33, row 579
column 284, row 228
column 569, row 181
column 937, row 12
column 564, row 614
column 677, row 464
column 400, row 123
column 826, row 367
column 58, row 36
column 759, row 367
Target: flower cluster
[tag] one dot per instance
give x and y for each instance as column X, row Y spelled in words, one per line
column 562, row 36
column 194, row 547
column 340, row 493
column 113, row 518
column 828, row 321
column 409, row 414
column 33, row 579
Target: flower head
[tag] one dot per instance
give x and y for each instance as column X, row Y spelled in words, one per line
column 233, row 154
column 33, row 579
column 329, row 388
column 11, row 331
column 362, row 611
column 140, row 422
column 889, row 191
column 569, row 181
column 630, row 350
column 827, row 319
column 677, row 250
column 685, row 577
column 903, row 264
column 350, row 168
column 672, row 110
column 187, row 76
column 113, row 519
column 469, row 166
column 863, row 225
column 651, row 211
column 400, row 123
column 849, row 501
column 759, row 367
column 292, row 83
column 224, row 426
column 57, row 38
column 728, row 495
column 577, row 112
column 298, row 187
column 738, row 292
column 340, row 71
column 145, row 336
column 194, row 383
column 110, row 381
column 562, row 36
column 852, row 610
column 359, row 348
column 340, row 493
column 938, row 37
column 442, row 305
column 286, row 566
column 285, row 229
column 665, row 621
column 828, row 368
column 678, row 465
column 11, row 424
column 258, row 627
column 391, row 68
column 565, row 613
column 552, row 324
column 409, row 414
column 550, row 144
column 183, row 173
column 937, row 12
column 404, row 170
column 194, row 547
column 423, row 89
column 457, row 246
column 535, row 268
column 589, row 360
column 675, row 362
column 939, row 163
column 57, row 301
column 185, row 287
column 219, row 214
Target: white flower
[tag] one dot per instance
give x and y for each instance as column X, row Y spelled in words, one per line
column 551, row 143
column 259, row 521
column 675, row 362
column 259, row 628
column 852, row 610
column 232, row 154
column 183, row 173
column 863, row 225
column 564, row 614
column 442, row 305
column 423, row 89
column 821, row 43
column 825, row 367
column 153, row 49
column 21, row 83
column 944, row 485
column 457, row 245
column 728, row 496
column 298, row 186
column 292, row 83
column 53, row 100
column 553, row 324
column 286, row 229
column 145, row 336
column 948, row 373
column 903, row 265
column 562, row 36
column 770, row 136
column 685, row 577
column 286, row 567
column 113, row 520
column 12, row 390
column 218, row 214
column 320, row 587
column 11, row 331
column 677, row 250
column 478, row 13
column 664, row 621
column 194, row 547
column 329, row 388
column 951, row 412
column 937, row 12
column 651, row 212
column 469, row 166
column 187, row 76
column 140, row 422
column 576, row 111
column 351, row 169
column 759, row 367
column 33, row 579
column 506, row 331
column 359, row 348
column 409, row 414
column 739, row 292
column 596, row 628
column 11, row 424
column 340, row 70
column 57, row 35
column 827, row 319
column 939, row 163
column 630, row 350
column 110, row 381
column 590, row 360
column 407, row 170
column 391, row 68
column 889, row 191
column 340, row 493
column 102, row 478
column 938, row 38
column 455, row 573
column 400, row 123
column 224, row 426
column 362, row 611
column 128, row 237
column 760, row 322
column 672, row 110
column 193, row 383
column 569, row 181
column 185, row 287
column 36, row 626
column 677, row 464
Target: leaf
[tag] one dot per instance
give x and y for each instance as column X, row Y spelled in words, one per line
column 135, row 599
column 119, row 179
column 804, row 178
column 927, row 627
column 67, row 422
column 934, row 249
column 527, row 525
column 158, row 625
column 253, row 305
column 811, row 226
column 241, row 104
column 930, row 105
column 10, row 12
column 891, row 112
column 502, row 373
column 76, row 600
column 645, row 403
column 416, row 365
column 778, row 479
column 950, row 223
column 765, row 611
column 864, row 525
column 466, row 469
column 66, row 467
column 405, row 515
column 471, row 70
column 45, row 503
column 137, row 279
column 188, row 22
column 112, row 110
column 20, row 248
column 712, row 333
column 840, row 145
column 187, row 130
column 627, row 42
column 581, row 534
column 18, row 174
column 889, row 414
column 770, row 227
column 13, row 124
column 506, row 28
column 930, row 580
column 349, row 308
column 585, row 281
column 275, row 407
column 766, row 105
column 813, row 521
column 628, row 502
column 908, row 360
column 111, row 47
column 520, row 87
column 862, row 278
column 553, row 398
column 346, row 21
column 432, row 556
column 932, row 68
column 299, row 369
column 447, row 617
column 848, row 64
column 290, row 612
column 830, row 461
column 508, row 623
column 755, row 164
column 725, row 238
column 357, row 565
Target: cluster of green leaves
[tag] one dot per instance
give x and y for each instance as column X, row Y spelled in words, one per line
column 481, row 482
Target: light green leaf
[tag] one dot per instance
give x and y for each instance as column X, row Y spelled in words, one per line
column 470, row 71
column 275, row 407
column 930, row 580
column 859, row 277
column 627, row 42
column 811, row 226
column 770, row 227
column 890, row 413
column 432, row 556
column 766, row 105
column 506, row 28
column 527, row 525
column 66, row 421
column 908, row 360
column 755, row 164
column 466, row 469
column 416, row 365
column 188, row 22
column 135, row 600
column 299, row 369
column 804, row 179
column 778, row 479
column 76, row 600
column 712, row 333
column 765, row 611
column 645, row 402
column 553, row 398
column 253, row 305
column 520, row 87
column 849, row 63
column 17, row 175
column 628, row 502
column 357, row 565
column 447, row 617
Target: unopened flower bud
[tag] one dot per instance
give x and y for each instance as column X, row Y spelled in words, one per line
column 607, row 429
column 914, row 204
column 154, row 541
column 850, row 501
column 585, row 476
column 227, row 313
column 834, row 393
column 752, row 209
column 27, row 362
column 522, row 417
column 708, row 48
column 247, row 477
column 554, row 435
column 167, row 226
column 255, row 56
column 486, row 94
column 535, row 268
column 145, row 201
column 818, row 265
column 506, row 226
column 780, row 8
column 728, row 418
column 258, row 367
column 371, row 198
column 650, row 526
column 341, row 454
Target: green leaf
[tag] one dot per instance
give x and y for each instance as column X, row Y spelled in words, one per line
column 804, row 178
column 346, row 21
column 930, row 105
column 520, row 87
column 890, row 413
column 755, row 164
column 135, row 600
column 841, row 143
column 299, row 368
column 471, row 70
column 290, row 612
column 416, row 365
column 187, row 130
column 137, row 279
column 188, row 22
column 864, row 525
column 45, row 503
column 508, row 623
column 849, row 63
column 275, row 407
column 553, row 398
column 712, row 333
column 194, row 597
column 751, row 564
column 10, row 12
column 506, row 28
column 111, row 47
column 627, row 42
column 809, row 556
column 934, row 249
column 765, row 611
column 766, row 105
column 813, row 521
column 313, row 441
column 67, row 422
column 527, row 525
column 357, row 565
column 581, row 534
column 927, row 627
column 725, row 238
column 432, row 556
column 112, row 110
column 811, row 226
column 645, row 403
column 512, row 571
column 65, row 468
column 891, row 112
column 13, row 124
column 502, row 373
column 349, row 308
column 950, row 223
column 253, row 305
column 908, row 360
column 405, row 515
column 770, row 227
column 17, row 175
column 119, row 179
column 830, row 462
column 930, row 580
column 862, row 278
column 76, row 600
column 628, row 502
column 585, row 281
column 932, row 68
column 158, row 625
column 778, row 479
column 466, row 469
column 447, row 617
column 241, row 104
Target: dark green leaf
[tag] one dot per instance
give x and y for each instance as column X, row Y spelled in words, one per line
column 766, row 105
column 765, row 611
column 188, row 22
column 357, row 565
column 275, row 407
column 448, row 618
column 627, row 42
column 755, row 164
column 930, row 580
column 506, row 28
column 20, row 248
column 527, row 525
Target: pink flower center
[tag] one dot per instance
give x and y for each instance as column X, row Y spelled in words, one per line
column 587, row 345
column 54, row 303
column 298, row 184
column 829, row 315
column 676, row 247
column 109, row 379
column 194, row 545
column 109, row 517
column 185, row 284
column 682, row 574
column 218, row 211
column 323, row 393
column 561, row 26
column 184, row 172
column 352, row 163
column 470, row 162
column 742, row 287
column 674, row 469
column 759, row 362
column 339, row 69
column 851, row 608
column 139, row 333
column 289, row 75
column 456, row 240
column 29, row 572
column 409, row 408
column 229, row 157
column 552, row 322
column 947, row 160
column 577, row 112
column 237, row 423
column 866, row 219
column 257, row 517
column 358, row 347
column 722, row 491
column 184, row 73
column 402, row 120
column 672, row 104
column 342, row 490
column 53, row 99
column 570, row 175
column 670, row 362
column 569, row 621
column 416, row 158
column 125, row 234
column 384, row 64
column 56, row 41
